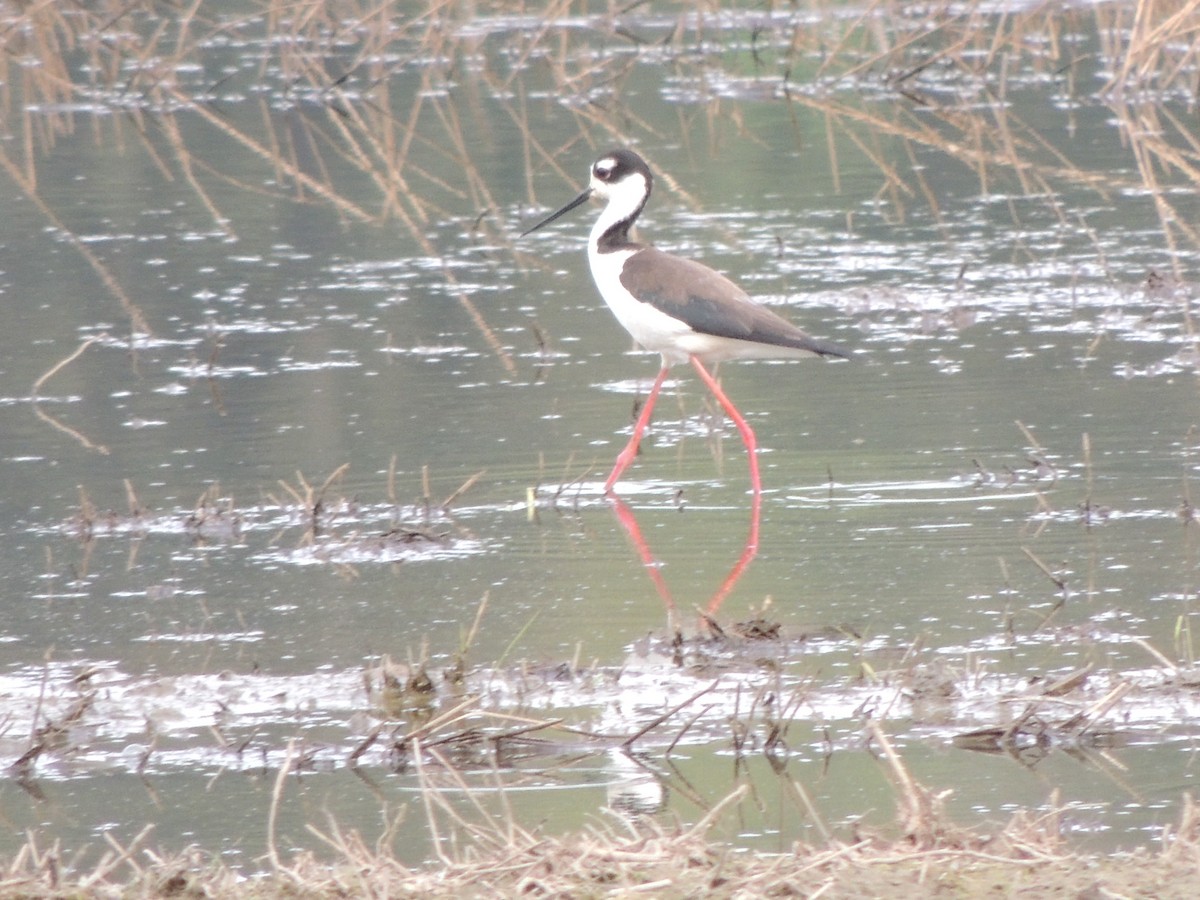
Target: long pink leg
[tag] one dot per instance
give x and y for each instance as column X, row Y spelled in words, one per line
column 743, row 427
column 626, row 456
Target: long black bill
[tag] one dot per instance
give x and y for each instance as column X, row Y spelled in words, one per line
column 582, row 198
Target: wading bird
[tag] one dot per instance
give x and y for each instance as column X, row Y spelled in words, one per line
column 678, row 308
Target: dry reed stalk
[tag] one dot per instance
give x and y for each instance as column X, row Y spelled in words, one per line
column 1160, row 28
column 920, row 810
column 53, row 421
column 641, row 858
column 28, row 186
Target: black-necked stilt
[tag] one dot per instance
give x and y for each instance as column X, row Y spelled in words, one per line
column 673, row 306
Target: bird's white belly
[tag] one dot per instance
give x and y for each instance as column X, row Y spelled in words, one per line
column 650, row 327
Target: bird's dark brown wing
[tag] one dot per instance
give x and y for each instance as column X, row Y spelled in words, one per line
column 710, row 303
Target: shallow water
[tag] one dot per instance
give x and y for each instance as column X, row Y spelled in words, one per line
column 993, row 485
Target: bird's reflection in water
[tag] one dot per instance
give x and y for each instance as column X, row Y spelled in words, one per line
column 708, row 614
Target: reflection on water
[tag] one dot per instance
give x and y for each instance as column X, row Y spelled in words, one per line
column 628, row 520
column 303, row 263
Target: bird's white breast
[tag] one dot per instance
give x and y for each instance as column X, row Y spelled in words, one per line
column 650, row 327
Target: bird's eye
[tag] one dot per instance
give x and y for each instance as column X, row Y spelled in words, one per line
column 604, row 170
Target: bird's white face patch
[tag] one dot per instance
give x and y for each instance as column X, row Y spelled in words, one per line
column 602, row 171
column 623, row 196
column 605, row 186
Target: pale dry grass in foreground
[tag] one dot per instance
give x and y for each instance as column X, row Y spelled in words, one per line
column 1025, row 858
column 490, row 854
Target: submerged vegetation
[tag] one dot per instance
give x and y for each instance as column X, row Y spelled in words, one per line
column 303, row 94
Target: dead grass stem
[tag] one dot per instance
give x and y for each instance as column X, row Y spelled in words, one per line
column 481, row 849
